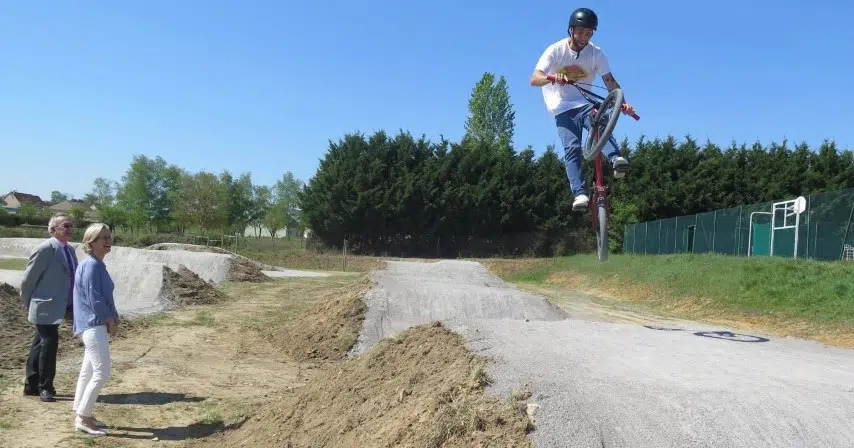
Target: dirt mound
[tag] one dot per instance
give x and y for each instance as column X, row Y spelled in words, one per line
column 245, row 271
column 185, row 287
column 327, row 331
column 16, row 332
column 422, row 388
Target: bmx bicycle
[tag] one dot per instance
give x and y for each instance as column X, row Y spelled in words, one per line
column 602, row 122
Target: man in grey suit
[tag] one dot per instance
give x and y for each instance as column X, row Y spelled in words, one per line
column 46, row 292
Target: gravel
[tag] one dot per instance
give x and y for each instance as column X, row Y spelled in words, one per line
column 620, row 385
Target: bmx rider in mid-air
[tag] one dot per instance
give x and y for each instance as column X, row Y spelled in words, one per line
column 576, row 59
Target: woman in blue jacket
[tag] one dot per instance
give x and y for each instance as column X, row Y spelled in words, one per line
column 95, row 319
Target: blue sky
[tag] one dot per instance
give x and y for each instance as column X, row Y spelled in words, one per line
column 262, row 86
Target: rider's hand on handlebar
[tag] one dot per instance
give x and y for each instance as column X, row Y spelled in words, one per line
column 560, row 78
column 628, row 109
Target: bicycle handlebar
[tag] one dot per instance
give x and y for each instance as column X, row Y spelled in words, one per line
column 623, row 108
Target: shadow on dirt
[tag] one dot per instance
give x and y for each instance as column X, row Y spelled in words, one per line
column 148, row 398
column 173, row 433
column 724, row 335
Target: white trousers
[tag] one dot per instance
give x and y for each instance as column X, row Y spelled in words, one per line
column 95, row 370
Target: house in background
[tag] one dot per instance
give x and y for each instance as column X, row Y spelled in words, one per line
column 65, row 206
column 15, row 200
column 90, row 212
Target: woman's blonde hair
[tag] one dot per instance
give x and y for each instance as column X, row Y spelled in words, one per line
column 93, row 232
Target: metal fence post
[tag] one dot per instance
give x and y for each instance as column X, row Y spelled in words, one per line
column 714, row 229
column 634, row 239
column 809, row 221
column 738, row 231
column 845, row 237
column 694, row 238
column 645, row 236
column 675, row 234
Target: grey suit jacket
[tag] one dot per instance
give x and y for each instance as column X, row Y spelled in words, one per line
column 47, row 279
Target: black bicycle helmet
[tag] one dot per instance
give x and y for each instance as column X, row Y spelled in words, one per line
column 584, row 18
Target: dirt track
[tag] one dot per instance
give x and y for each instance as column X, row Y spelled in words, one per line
column 623, row 384
column 178, row 376
column 594, row 370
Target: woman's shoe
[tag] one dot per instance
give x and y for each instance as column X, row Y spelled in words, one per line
column 79, row 426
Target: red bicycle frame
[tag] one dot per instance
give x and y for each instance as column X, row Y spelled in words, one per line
column 600, row 190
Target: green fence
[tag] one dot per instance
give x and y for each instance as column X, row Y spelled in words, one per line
column 824, row 230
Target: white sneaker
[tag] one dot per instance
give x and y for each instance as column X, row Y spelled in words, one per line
column 580, row 202
column 79, row 426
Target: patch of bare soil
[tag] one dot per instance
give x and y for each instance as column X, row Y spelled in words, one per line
column 422, row 388
column 176, row 376
column 244, row 271
column 327, row 331
column 16, row 332
column 185, row 287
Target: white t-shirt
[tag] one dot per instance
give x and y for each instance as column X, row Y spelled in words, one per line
column 580, row 67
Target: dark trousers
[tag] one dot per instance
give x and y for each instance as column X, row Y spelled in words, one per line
column 41, row 364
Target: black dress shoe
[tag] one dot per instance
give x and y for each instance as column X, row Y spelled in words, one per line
column 47, row 396
column 31, row 393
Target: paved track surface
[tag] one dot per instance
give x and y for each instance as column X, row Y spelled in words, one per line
column 626, row 385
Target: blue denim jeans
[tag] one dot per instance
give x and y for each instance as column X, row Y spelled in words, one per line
column 569, row 126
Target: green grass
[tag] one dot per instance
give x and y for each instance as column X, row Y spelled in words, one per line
column 813, row 291
column 15, row 264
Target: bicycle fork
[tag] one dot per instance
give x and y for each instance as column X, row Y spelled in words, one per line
column 600, row 190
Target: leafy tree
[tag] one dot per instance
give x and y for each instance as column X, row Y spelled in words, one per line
column 148, row 191
column 203, row 202
column 57, row 197
column 262, row 200
column 238, row 200
column 286, row 209
column 27, row 211
column 103, row 192
column 491, row 116
column 77, row 213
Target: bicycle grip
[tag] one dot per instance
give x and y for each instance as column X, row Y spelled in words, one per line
column 633, row 115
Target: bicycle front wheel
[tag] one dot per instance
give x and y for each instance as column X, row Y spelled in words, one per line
column 602, row 123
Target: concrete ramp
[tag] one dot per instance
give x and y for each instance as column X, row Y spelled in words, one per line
column 11, row 277
column 414, row 293
column 19, row 247
column 210, row 266
column 139, row 287
column 138, row 273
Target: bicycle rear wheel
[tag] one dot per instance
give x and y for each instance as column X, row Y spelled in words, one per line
column 604, row 122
